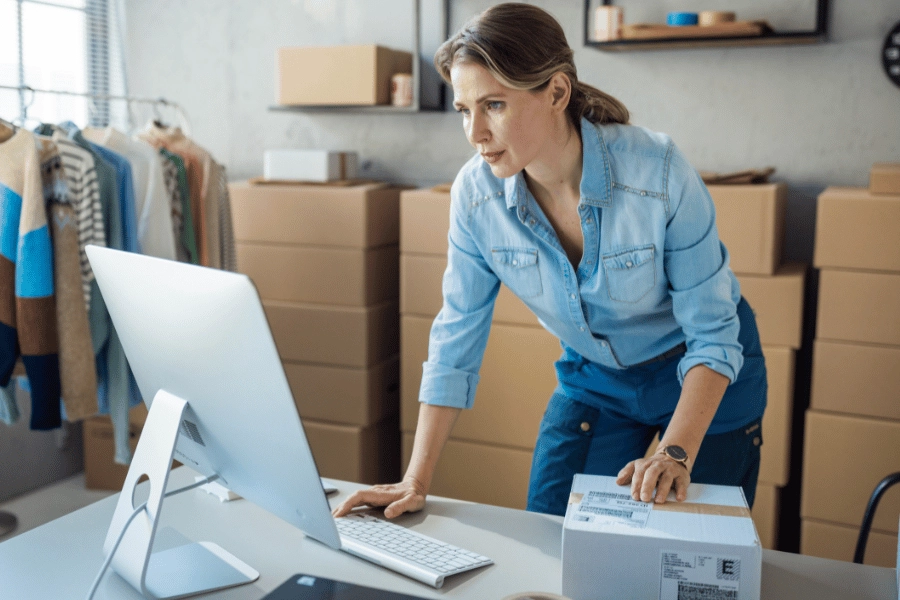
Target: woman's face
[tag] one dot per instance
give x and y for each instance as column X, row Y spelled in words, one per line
column 508, row 127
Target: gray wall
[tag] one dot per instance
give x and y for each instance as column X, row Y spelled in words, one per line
column 821, row 114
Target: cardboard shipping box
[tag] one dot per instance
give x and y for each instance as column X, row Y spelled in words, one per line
column 421, row 279
column 856, row 229
column 838, row 542
column 352, row 453
column 857, row 379
column 100, row 469
column 775, row 454
column 517, row 379
column 334, row 335
column 353, row 396
column 750, row 220
column 857, row 306
column 844, row 458
column 355, row 216
column 339, row 276
column 479, row 472
column 424, row 221
column 884, row 178
column 338, row 75
column 777, row 302
column 614, row 547
column 765, row 512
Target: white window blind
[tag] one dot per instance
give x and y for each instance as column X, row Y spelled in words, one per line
column 64, row 45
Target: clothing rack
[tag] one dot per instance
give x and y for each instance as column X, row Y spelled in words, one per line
column 156, row 102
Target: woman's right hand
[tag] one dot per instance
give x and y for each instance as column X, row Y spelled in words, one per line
column 397, row 498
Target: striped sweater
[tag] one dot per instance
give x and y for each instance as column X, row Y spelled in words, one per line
column 27, row 302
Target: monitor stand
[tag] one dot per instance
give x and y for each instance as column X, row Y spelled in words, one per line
column 178, row 572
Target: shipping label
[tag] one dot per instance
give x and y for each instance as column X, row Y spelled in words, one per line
column 604, row 508
column 689, row 576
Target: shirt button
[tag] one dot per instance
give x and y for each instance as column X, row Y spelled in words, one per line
column 589, row 220
column 581, row 328
column 585, row 426
column 515, row 262
column 533, row 221
column 572, row 296
column 643, row 193
column 629, row 264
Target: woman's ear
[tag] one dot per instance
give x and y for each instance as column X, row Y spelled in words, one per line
column 560, row 88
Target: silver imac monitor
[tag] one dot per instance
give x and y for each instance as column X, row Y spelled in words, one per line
column 204, row 359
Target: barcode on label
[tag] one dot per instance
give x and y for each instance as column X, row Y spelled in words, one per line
column 701, row 591
column 608, row 512
column 609, row 496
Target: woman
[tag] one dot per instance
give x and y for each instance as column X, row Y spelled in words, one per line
column 608, row 234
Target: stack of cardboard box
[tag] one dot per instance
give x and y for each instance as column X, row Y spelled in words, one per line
column 488, row 458
column 750, row 220
column 853, row 425
column 324, row 260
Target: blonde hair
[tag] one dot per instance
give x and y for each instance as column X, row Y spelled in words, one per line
column 523, row 46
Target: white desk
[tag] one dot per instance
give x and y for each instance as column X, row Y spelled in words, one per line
column 60, row 559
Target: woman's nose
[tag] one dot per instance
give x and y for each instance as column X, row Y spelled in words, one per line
column 479, row 132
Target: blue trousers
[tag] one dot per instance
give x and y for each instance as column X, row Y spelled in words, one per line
column 599, row 419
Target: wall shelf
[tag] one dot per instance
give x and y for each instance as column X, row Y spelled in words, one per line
column 431, row 23
column 778, row 38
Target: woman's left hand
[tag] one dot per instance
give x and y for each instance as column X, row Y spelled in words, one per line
column 656, row 472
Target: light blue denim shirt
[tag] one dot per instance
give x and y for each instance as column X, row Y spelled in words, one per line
column 653, row 272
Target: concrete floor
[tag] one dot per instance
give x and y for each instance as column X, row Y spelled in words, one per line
column 50, row 502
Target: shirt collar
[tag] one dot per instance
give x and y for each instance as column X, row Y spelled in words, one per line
column 596, row 181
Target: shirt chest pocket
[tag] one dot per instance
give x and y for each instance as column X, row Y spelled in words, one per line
column 518, row 269
column 630, row 274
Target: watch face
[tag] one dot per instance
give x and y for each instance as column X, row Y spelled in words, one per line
column 676, row 452
column 890, row 55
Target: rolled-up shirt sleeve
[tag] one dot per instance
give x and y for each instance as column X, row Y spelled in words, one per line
column 460, row 331
column 704, row 292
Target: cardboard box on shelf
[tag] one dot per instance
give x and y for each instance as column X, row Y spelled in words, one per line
column 334, row 335
column 424, row 221
column 750, row 220
column 517, row 379
column 614, row 547
column 775, row 454
column 838, row 542
column 338, row 75
column 421, row 278
column 479, row 472
column 352, row 453
column 765, row 512
column 346, row 395
column 289, row 164
column 100, row 469
column 856, row 379
column 777, row 302
column 857, row 306
column 884, row 178
column 856, row 229
column 355, row 216
column 338, row 276
column 844, row 458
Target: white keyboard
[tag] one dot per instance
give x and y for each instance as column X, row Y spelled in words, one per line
column 415, row 555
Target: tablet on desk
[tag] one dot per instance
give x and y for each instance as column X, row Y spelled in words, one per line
column 308, row 587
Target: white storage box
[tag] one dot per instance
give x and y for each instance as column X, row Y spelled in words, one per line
column 309, row 165
column 616, row 548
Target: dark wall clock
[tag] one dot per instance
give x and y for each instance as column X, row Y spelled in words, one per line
column 890, row 56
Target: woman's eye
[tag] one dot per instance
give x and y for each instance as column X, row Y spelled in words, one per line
column 464, row 111
column 495, row 105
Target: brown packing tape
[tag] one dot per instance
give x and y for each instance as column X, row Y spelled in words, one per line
column 696, row 508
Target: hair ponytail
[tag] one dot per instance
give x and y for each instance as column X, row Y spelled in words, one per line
column 523, row 46
column 595, row 106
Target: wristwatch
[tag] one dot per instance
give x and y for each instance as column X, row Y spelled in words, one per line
column 677, row 454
